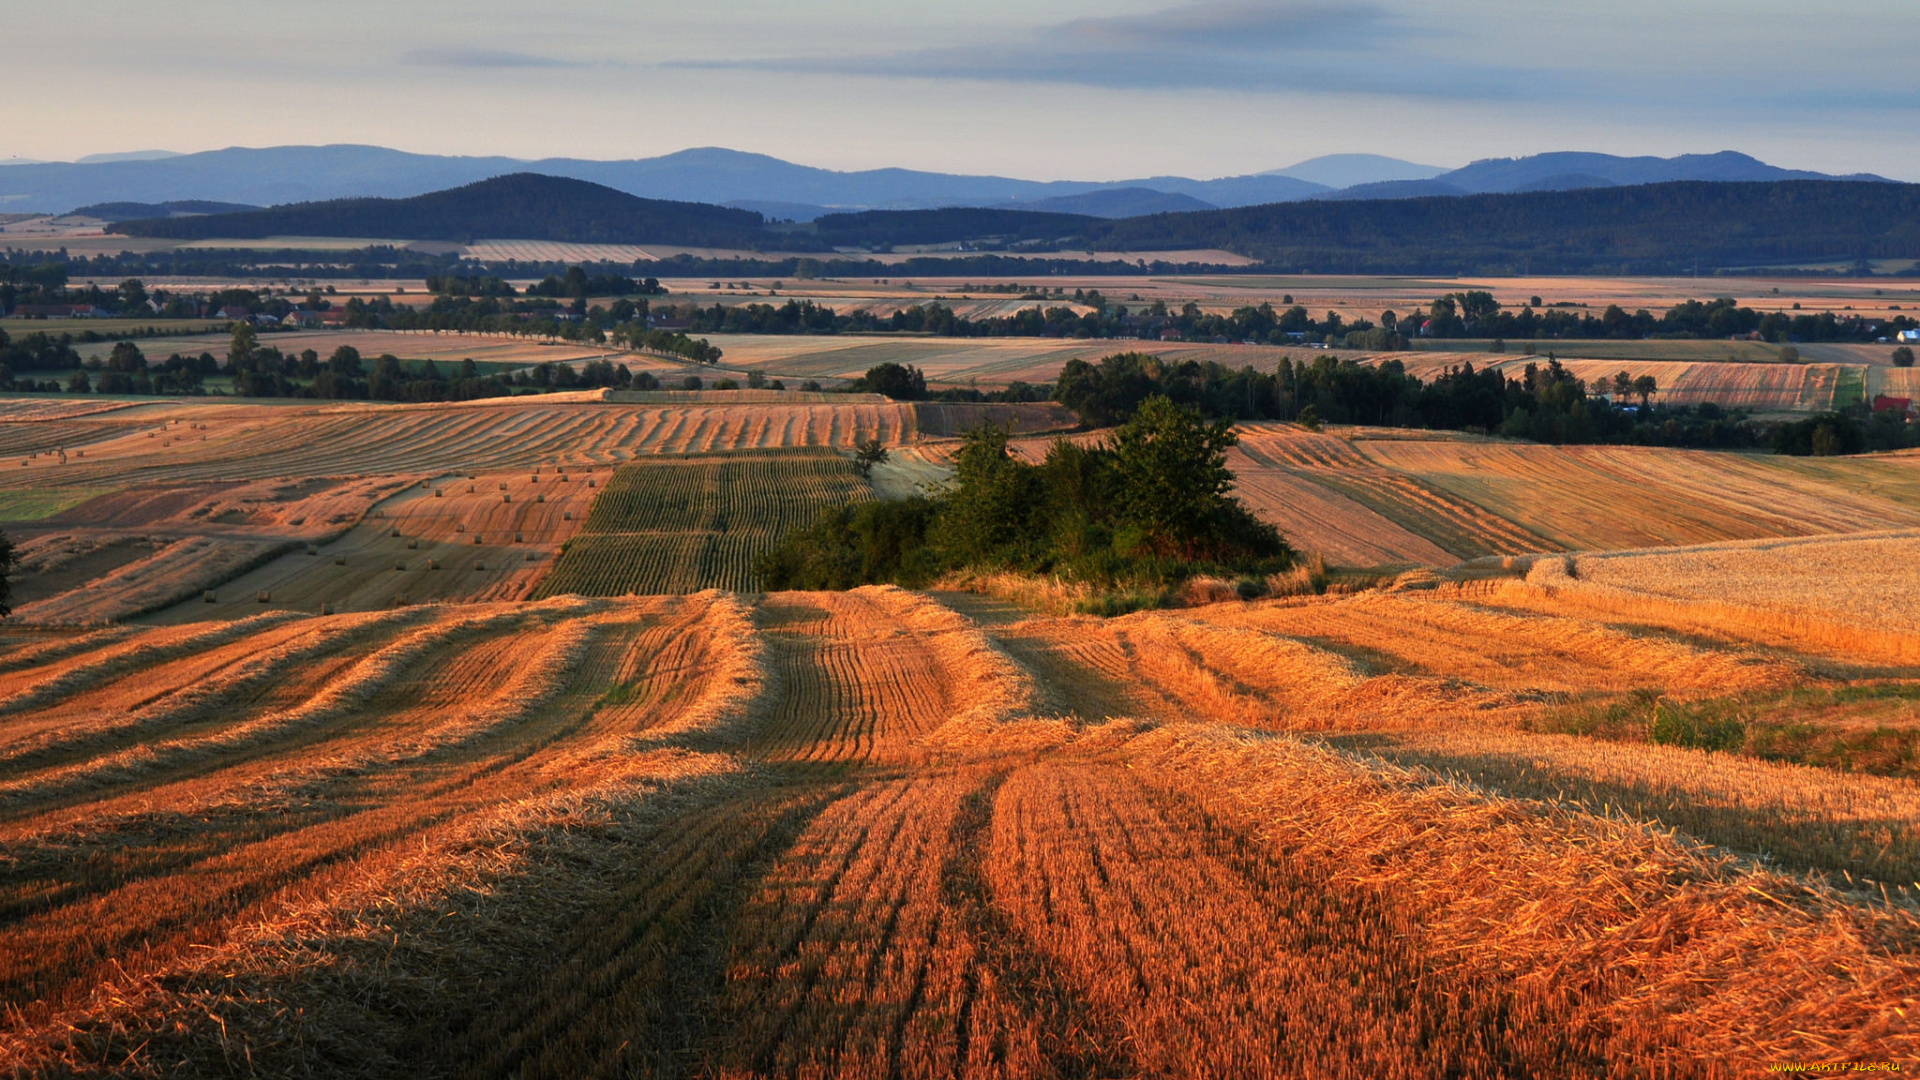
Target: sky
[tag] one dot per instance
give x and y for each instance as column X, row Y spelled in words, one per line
column 1042, row 89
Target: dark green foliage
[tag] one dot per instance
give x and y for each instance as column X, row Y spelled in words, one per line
column 868, row 454
column 1150, row 510
column 1822, row 435
column 901, row 382
column 577, row 284
column 1903, row 357
column 523, row 205
column 1546, row 403
column 857, row 545
column 8, row 557
column 884, row 228
column 469, row 285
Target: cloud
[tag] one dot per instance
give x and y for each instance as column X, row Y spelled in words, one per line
column 1332, row 46
column 478, row 58
column 1230, row 25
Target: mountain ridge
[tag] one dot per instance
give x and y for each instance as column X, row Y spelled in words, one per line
column 715, row 175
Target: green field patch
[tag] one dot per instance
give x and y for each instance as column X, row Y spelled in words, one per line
column 43, row 503
column 674, row 525
column 1849, row 386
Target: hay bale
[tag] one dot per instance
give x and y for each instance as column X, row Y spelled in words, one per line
column 209, row 597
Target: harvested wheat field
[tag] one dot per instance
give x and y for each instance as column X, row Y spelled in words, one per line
column 883, row 833
column 1370, row 497
column 422, row 741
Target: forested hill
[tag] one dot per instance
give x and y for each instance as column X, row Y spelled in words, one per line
column 885, row 227
column 522, row 206
column 1679, row 227
column 1643, row 229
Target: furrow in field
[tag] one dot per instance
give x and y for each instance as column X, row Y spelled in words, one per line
column 168, row 697
column 36, row 689
column 849, row 961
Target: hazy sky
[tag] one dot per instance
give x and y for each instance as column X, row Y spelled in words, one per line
column 1047, row 89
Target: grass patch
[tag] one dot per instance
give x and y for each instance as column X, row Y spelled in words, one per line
column 1870, row 728
column 43, row 503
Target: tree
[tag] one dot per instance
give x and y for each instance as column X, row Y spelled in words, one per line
column 78, row 383
column 897, row 381
column 1646, row 386
column 8, row 557
column 867, row 455
column 1170, row 472
column 1903, row 357
column 126, row 357
column 240, row 351
column 345, row 361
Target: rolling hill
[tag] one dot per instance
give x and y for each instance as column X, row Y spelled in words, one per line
column 522, row 205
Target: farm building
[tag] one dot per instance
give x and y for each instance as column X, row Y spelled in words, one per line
column 1883, row 403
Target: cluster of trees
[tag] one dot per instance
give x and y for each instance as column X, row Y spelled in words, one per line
column 625, row 322
column 1472, row 314
column 386, row 261
column 1547, row 403
column 1150, row 507
column 1476, row 314
column 264, row 371
column 577, row 285
column 1831, row 433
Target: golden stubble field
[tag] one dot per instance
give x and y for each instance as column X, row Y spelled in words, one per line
column 886, row 833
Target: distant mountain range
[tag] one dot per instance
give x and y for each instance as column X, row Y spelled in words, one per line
column 783, row 190
column 1655, row 228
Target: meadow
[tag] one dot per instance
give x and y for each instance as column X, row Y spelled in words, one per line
column 457, row 740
